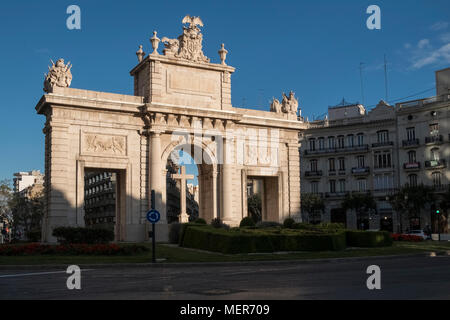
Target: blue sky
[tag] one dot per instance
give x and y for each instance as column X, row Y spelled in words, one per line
column 311, row 47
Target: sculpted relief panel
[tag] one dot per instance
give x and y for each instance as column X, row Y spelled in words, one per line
column 94, row 143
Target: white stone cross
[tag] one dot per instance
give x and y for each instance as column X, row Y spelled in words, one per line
column 183, row 177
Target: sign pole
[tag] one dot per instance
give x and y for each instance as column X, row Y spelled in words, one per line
column 153, row 244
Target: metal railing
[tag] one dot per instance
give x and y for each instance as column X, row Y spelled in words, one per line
column 410, row 143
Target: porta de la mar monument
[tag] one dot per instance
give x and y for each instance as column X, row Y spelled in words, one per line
column 181, row 101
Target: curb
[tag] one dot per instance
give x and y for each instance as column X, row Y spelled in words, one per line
column 213, row 264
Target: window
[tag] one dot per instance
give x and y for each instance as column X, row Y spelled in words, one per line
column 312, row 144
column 383, row 136
column 321, row 143
column 313, row 164
column 434, row 129
column 360, row 139
column 332, row 186
column 362, row 185
column 314, row 187
column 331, row 143
column 411, row 156
column 331, row 164
column 435, row 154
column 382, row 159
column 350, row 141
column 436, row 176
column 340, row 141
column 412, row 180
column 342, row 164
column 360, row 160
column 411, row 133
column 341, row 185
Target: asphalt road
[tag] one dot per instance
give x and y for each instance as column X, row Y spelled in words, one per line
column 401, row 278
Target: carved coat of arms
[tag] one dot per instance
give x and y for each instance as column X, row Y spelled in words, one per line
column 58, row 75
column 188, row 45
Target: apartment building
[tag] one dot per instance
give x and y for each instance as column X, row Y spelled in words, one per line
column 378, row 151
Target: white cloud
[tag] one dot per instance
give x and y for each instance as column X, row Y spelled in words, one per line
column 407, row 45
column 441, row 55
column 440, row 25
column 423, row 43
column 445, row 37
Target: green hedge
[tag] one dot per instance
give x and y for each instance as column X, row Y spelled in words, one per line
column 368, row 239
column 70, row 235
column 237, row 241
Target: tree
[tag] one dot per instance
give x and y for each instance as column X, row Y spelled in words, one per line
column 27, row 213
column 254, row 205
column 362, row 203
column 5, row 198
column 311, row 203
column 411, row 200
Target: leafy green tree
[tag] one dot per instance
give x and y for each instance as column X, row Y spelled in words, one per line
column 410, row 201
column 311, row 203
column 27, row 213
column 254, row 205
column 5, row 198
column 362, row 203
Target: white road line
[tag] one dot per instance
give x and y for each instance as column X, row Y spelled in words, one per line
column 34, row 274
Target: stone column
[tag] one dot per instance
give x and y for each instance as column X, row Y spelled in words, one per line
column 156, row 169
column 227, row 181
column 214, row 191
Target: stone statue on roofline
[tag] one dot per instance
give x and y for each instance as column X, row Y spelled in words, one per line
column 289, row 104
column 187, row 46
column 58, row 75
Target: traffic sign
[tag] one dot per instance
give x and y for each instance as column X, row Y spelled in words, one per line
column 153, row 216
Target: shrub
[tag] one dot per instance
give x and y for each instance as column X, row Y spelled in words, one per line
column 184, row 227
column 71, row 249
column 69, row 235
column 288, row 223
column 254, row 240
column 368, row 239
column 33, row 235
column 267, row 224
column 174, row 232
column 217, row 223
column 200, row 221
column 406, row 237
column 247, row 222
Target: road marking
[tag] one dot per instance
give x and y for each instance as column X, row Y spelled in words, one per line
column 34, row 274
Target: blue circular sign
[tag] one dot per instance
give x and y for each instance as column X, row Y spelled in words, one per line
column 153, row 216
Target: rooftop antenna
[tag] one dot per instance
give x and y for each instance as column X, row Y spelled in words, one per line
column 361, row 78
column 385, row 78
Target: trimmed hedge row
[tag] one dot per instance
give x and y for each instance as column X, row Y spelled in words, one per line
column 69, row 235
column 368, row 239
column 234, row 241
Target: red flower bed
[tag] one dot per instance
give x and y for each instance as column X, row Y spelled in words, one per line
column 70, row 249
column 406, row 237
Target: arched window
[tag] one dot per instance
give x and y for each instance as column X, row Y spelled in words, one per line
column 437, row 177
column 412, row 180
column 435, row 154
column 412, row 156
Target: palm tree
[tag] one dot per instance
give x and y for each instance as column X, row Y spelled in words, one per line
column 362, row 203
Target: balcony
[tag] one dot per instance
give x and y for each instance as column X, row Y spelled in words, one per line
column 382, row 144
column 411, row 166
column 362, row 148
column 313, row 174
column 342, row 172
column 441, row 188
column 434, row 139
column 331, row 172
column 410, row 143
column 385, row 191
column 335, row 194
column 361, row 171
column 435, row 164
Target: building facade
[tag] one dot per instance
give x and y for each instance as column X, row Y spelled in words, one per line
column 378, row 151
column 24, row 179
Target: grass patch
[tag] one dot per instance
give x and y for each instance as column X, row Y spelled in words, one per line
column 174, row 254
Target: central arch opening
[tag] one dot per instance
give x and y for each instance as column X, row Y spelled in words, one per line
column 198, row 176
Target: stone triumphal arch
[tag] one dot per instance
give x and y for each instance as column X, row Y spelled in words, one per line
column 181, row 101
